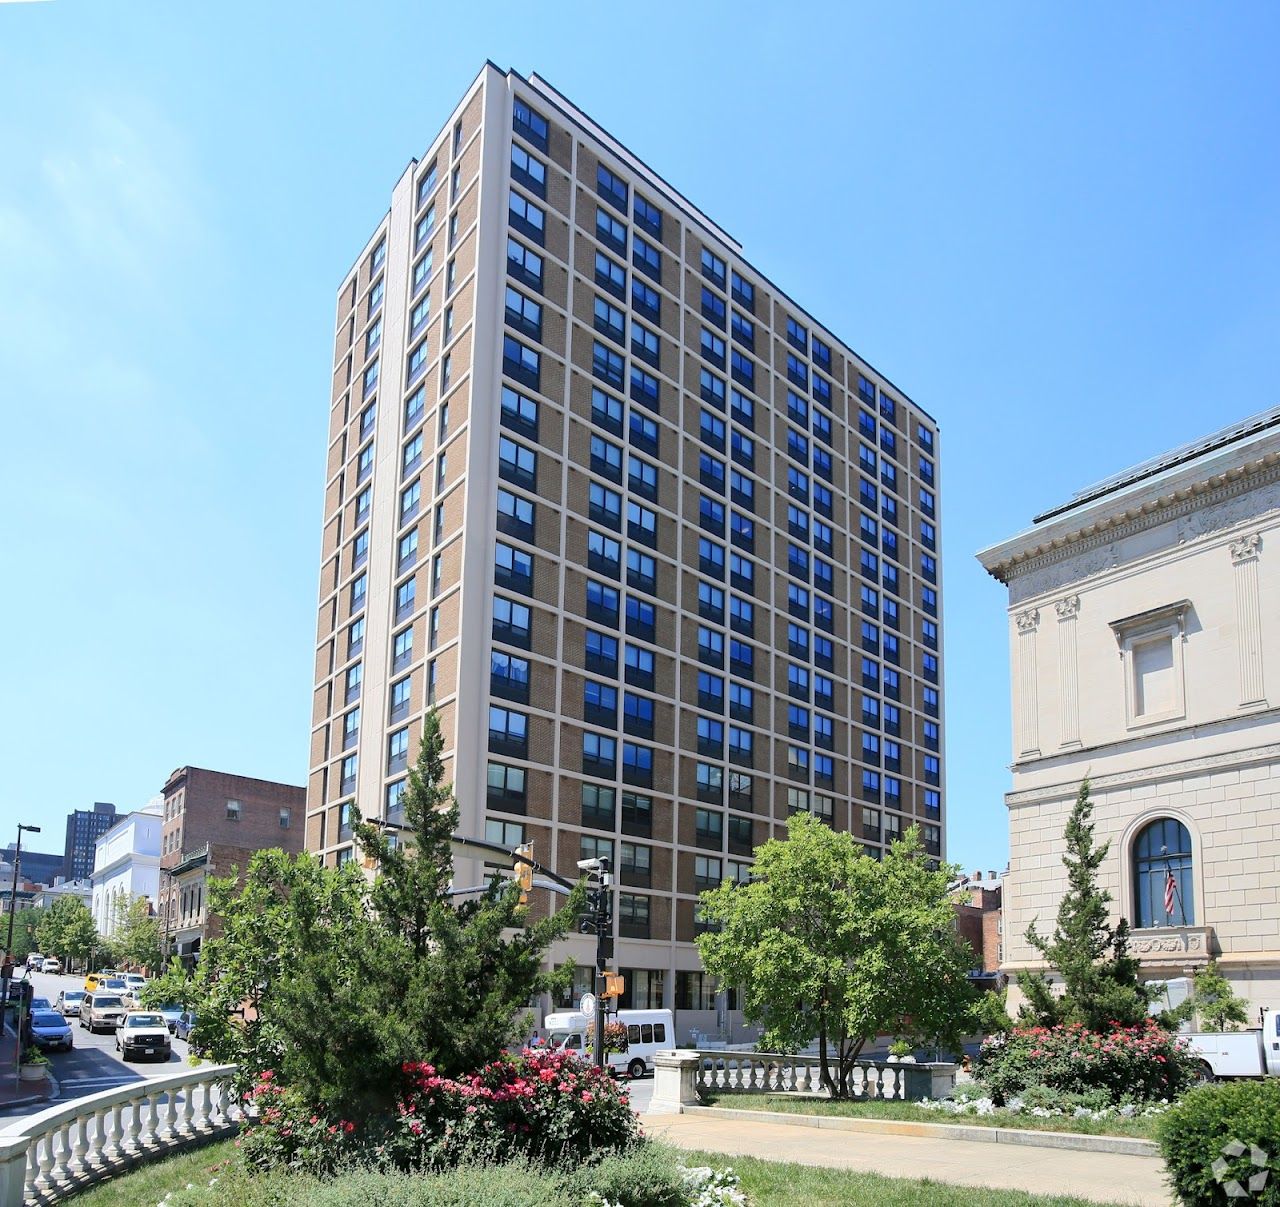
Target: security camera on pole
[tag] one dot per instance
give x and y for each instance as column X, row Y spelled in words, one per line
column 601, row 922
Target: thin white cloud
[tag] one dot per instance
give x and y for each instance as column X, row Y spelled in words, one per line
column 122, row 193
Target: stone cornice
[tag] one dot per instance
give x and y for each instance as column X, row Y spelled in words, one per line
column 1137, row 516
column 1165, row 771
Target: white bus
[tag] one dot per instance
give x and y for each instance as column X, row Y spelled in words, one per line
column 648, row 1031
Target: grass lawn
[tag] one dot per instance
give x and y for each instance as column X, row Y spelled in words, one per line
column 774, row 1184
column 767, row 1184
column 150, row 1183
column 1143, row 1129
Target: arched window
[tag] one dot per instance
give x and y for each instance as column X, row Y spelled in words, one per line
column 1162, row 853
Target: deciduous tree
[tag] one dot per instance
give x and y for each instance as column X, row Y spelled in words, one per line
column 1213, row 1002
column 827, row 942
column 67, row 929
column 135, row 935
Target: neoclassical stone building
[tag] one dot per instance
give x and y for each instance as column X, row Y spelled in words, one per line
column 1144, row 628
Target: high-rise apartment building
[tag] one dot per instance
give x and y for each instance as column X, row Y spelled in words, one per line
column 84, row 828
column 660, row 548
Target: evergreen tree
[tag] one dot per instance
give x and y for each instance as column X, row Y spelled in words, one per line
column 334, row 980
column 1101, row 981
column 461, row 965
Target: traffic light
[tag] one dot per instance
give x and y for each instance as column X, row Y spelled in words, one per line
column 524, row 871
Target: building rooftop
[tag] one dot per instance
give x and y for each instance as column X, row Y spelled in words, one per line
column 1142, row 492
column 1182, row 455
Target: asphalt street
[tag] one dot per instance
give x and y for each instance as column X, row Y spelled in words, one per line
column 93, row 1064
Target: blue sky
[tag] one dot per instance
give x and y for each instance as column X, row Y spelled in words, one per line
column 1056, row 227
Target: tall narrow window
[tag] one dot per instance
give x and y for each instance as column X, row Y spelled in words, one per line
column 1163, row 891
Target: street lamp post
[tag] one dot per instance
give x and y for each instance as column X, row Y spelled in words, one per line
column 8, row 950
column 13, row 895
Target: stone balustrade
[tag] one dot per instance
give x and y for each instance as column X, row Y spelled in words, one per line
column 63, row 1149
column 682, row 1078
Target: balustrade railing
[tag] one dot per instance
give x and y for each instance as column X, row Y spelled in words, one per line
column 67, row 1147
column 721, row 1072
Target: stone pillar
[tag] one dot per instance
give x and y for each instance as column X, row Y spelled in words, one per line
column 933, row 1080
column 674, row 1082
column 13, row 1170
column 1068, row 670
column 1244, row 557
column 1028, row 683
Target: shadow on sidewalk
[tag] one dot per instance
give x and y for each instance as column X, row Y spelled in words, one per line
column 12, row 1091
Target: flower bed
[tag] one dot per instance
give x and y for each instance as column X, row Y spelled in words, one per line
column 1127, row 1065
column 1039, row 1102
column 543, row 1107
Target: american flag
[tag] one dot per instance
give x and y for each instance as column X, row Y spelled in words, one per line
column 1170, row 887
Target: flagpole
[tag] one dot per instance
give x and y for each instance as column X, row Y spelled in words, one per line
column 1177, row 891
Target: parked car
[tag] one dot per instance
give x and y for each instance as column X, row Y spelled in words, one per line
column 171, row 1012
column 49, row 1030
column 117, row 984
column 51, row 964
column 143, row 1033
column 40, row 1003
column 34, row 960
column 185, row 1024
column 68, row 1001
column 102, row 1011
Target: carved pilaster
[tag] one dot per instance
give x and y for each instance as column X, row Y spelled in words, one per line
column 1028, row 683
column 1069, row 669
column 1244, row 558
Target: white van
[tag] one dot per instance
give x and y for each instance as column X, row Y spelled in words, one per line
column 648, row 1031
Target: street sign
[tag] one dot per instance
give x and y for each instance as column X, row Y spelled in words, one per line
column 588, row 1005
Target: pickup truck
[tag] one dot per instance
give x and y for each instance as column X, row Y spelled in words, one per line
column 1252, row 1053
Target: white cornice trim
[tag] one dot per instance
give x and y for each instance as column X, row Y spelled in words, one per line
column 1166, row 771
column 1113, row 518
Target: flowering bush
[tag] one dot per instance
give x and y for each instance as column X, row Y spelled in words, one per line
column 280, row 1130
column 1130, row 1064
column 544, row 1106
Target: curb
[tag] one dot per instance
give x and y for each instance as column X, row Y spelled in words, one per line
column 1127, row 1145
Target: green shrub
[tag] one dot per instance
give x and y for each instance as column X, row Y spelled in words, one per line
column 1130, row 1064
column 468, row 1186
column 648, row 1175
column 1194, row 1132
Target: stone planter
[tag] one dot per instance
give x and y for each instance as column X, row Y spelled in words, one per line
column 33, row 1072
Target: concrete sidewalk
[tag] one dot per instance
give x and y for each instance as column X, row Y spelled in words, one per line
column 15, row 1093
column 1100, row 1177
